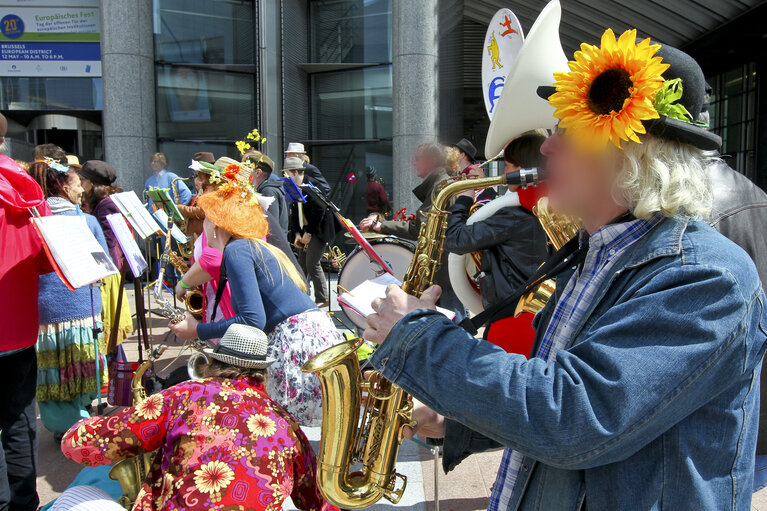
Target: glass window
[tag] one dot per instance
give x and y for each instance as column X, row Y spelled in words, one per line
column 204, row 31
column 733, row 113
column 352, row 104
column 204, row 105
column 50, row 93
column 351, row 31
column 345, row 166
column 180, row 154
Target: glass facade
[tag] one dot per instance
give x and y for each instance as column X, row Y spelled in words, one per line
column 205, row 76
column 351, row 103
column 733, row 116
column 55, row 93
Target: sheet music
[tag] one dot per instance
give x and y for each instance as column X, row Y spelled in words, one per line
column 131, row 206
column 75, row 250
column 130, row 248
column 162, row 218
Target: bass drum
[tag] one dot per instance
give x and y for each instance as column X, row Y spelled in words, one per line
column 358, row 268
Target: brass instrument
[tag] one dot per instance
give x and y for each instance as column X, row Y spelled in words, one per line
column 168, row 311
column 131, row 472
column 560, row 229
column 372, row 438
column 186, row 249
column 193, row 300
column 335, row 253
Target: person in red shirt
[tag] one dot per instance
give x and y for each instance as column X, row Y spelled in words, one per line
column 22, row 261
column 377, row 198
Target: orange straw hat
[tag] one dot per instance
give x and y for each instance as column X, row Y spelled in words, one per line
column 238, row 209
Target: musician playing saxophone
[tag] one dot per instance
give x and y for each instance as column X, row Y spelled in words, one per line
column 512, row 244
column 643, row 394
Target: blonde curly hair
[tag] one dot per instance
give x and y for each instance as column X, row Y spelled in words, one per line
column 666, row 177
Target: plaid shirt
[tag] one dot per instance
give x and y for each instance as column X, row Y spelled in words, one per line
column 604, row 247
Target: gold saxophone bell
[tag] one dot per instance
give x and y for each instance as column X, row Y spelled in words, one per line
column 343, row 442
column 131, row 472
column 194, row 302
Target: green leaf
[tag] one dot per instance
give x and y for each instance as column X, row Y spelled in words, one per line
column 666, row 98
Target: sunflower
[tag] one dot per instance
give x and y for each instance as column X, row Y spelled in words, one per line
column 610, row 90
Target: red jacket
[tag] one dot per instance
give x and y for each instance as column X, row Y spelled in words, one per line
column 22, row 258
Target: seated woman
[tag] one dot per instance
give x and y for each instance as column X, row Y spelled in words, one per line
column 267, row 293
column 220, row 441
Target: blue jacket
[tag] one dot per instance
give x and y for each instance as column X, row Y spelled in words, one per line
column 263, row 295
column 164, row 179
column 653, row 406
column 56, row 303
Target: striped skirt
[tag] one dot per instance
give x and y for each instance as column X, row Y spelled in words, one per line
column 66, row 361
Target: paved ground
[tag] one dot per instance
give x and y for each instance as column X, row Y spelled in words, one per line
column 465, row 489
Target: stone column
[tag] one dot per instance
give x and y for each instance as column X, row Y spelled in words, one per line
column 415, row 50
column 270, row 79
column 127, row 62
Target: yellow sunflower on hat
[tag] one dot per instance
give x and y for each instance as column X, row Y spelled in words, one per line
column 610, row 90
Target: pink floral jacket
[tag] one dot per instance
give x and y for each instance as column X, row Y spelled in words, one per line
column 221, row 444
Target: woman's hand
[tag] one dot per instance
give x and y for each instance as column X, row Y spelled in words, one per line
column 186, row 329
column 180, row 291
column 428, row 422
column 394, row 307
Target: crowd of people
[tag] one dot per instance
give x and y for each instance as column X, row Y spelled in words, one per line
column 636, row 385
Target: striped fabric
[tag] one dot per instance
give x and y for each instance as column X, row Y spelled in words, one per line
column 85, row 498
column 605, row 245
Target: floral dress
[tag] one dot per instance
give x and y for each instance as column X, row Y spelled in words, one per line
column 292, row 343
column 220, row 444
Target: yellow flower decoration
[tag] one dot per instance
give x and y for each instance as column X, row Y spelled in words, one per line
column 261, row 425
column 609, row 91
column 213, row 477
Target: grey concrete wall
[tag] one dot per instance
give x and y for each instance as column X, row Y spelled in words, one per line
column 270, row 79
column 415, row 47
column 127, row 55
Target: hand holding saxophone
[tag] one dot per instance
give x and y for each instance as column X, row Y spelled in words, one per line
column 394, row 307
column 428, row 423
column 186, row 329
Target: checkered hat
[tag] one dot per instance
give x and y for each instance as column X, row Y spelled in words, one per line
column 242, row 346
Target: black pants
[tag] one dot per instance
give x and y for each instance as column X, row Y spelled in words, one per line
column 18, row 431
column 310, row 262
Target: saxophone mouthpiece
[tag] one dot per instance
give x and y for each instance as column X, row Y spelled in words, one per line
column 525, row 177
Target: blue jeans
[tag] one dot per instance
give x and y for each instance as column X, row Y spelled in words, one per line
column 18, row 429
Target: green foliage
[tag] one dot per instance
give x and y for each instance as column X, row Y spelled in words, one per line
column 666, row 98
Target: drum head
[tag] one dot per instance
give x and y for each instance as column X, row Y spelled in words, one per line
column 358, row 268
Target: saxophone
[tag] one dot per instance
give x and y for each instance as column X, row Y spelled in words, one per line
column 186, row 249
column 131, row 472
column 370, row 437
column 193, row 300
column 559, row 229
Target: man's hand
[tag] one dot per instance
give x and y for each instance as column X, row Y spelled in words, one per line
column 428, row 422
column 186, row 329
column 394, row 307
column 371, row 223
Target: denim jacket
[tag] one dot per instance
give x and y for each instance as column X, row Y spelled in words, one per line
column 654, row 405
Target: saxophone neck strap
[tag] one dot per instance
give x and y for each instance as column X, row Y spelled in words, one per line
column 571, row 254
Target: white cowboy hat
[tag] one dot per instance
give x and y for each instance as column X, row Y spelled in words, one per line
column 295, row 147
column 293, row 163
column 242, row 346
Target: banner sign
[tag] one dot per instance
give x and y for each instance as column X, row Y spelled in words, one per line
column 503, row 41
column 50, row 41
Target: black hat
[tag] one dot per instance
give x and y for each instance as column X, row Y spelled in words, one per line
column 684, row 67
column 99, row 172
column 467, row 148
